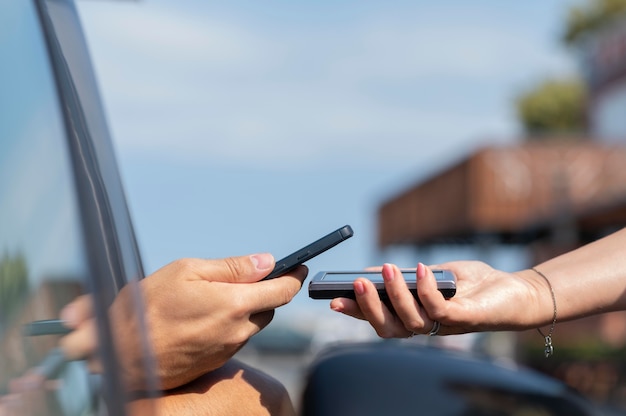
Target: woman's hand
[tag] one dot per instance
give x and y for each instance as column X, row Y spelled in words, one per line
column 486, row 299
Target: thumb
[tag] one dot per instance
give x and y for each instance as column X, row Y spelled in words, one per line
column 77, row 311
column 242, row 269
column 82, row 342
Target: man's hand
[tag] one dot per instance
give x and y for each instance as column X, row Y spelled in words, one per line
column 199, row 313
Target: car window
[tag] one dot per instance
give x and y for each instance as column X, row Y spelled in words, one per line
column 65, row 229
column 72, row 47
column 42, row 260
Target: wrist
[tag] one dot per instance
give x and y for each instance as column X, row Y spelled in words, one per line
column 540, row 307
column 549, row 350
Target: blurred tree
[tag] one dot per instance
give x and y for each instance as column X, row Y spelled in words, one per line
column 590, row 17
column 13, row 283
column 557, row 107
column 553, row 107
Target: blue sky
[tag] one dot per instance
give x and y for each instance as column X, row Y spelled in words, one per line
column 247, row 126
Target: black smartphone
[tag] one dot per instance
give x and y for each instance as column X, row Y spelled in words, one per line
column 330, row 285
column 46, row 327
column 295, row 259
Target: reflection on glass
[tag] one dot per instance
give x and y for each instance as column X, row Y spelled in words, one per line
column 42, row 263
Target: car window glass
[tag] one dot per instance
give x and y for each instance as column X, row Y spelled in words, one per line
column 42, row 259
column 73, row 46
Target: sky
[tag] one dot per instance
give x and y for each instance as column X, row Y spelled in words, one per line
column 248, row 126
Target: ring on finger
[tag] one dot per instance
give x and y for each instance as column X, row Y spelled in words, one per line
column 435, row 329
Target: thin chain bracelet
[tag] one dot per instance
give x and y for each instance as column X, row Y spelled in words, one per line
column 549, row 350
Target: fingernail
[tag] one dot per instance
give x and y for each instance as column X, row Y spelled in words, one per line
column 421, row 271
column 262, row 261
column 359, row 288
column 336, row 306
column 68, row 316
column 387, row 272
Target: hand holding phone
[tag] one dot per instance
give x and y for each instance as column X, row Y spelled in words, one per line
column 306, row 253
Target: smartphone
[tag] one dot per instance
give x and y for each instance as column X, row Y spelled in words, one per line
column 46, row 327
column 295, row 259
column 330, row 285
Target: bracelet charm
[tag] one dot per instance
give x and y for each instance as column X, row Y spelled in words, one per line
column 549, row 349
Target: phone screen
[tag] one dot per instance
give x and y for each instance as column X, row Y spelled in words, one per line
column 377, row 277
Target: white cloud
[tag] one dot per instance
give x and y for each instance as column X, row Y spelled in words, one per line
column 168, row 34
column 205, row 87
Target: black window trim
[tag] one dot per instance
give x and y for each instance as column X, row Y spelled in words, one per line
column 102, row 247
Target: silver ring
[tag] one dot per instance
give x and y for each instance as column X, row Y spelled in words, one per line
column 411, row 335
column 436, row 326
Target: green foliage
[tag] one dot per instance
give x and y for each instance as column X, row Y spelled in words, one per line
column 557, row 107
column 553, row 107
column 591, row 16
column 13, row 283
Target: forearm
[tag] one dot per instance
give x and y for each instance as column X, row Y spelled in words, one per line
column 589, row 280
column 234, row 388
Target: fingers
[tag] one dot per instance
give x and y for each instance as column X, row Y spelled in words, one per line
column 261, row 320
column 242, row 269
column 271, row 294
column 78, row 315
column 347, row 307
column 82, row 342
column 77, row 311
column 430, row 297
column 403, row 301
column 381, row 318
column 384, row 322
column 401, row 316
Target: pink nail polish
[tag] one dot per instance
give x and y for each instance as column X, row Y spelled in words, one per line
column 387, row 272
column 421, row 271
column 359, row 288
